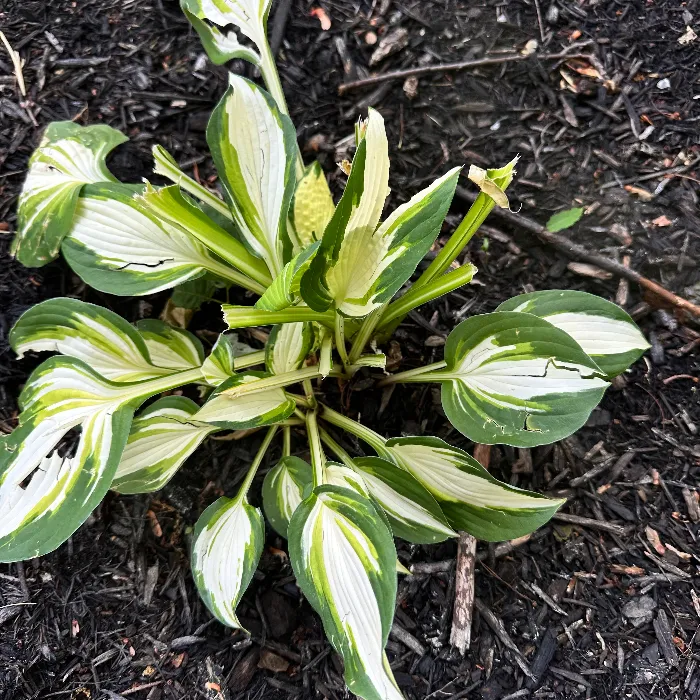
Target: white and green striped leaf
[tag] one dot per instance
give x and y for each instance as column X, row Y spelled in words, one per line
column 170, row 206
column 335, row 474
column 219, row 47
column 361, row 265
column 174, row 348
column 250, row 16
column 248, row 410
column 118, row 246
column 287, row 347
column 284, row 488
column 471, row 499
column 285, row 288
column 253, row 145
column 44, row 498
column 219, row 366
column 68, row 157
column 311, row 208
column 413, row 513
column 162, row 437
column 515, row 378
column 98, row 337
column 228, row 541
column 602, row 329
column 344, row 559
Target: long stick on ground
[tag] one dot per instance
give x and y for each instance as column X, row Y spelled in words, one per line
column 578, row 252
column 446, row 67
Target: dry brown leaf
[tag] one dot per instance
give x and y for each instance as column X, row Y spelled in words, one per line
column 654, row 541
column 640, row 192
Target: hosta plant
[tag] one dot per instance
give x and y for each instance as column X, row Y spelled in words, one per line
column 331, row 282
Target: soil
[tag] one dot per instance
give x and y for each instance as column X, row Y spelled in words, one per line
column 598, row 605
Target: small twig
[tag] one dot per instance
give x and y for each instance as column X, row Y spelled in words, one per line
column 16, row 64
column 499, row 630
column 677, row 170
column 407, row 639
column 422, row 70
column 590, row 522
column 578, row 252
column 446, row 67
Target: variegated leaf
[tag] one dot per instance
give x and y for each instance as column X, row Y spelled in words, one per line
column 359, row 265
column 253, row 146
column 602, row 329
column 220, row 47
column 344, row 559
column 174, row 348
column 250, row 16
column 250, row 410
column 514, row 378
column 162, row 437
column 413, row 513
column 335, row 474
column 284, row 290
column 118, row 246
column 312, row 207
column 171, row 207
column 228, row 541
column 471, row 499
column 44, row 498
column 98, row 337
column 287, row 347
column 68, row 157
column 284, row 488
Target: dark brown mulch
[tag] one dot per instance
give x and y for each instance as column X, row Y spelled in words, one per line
column 598, row 609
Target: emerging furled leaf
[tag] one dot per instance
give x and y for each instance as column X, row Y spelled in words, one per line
column 344, row 559
column 494, row 181
column 68, row 157
column 471, row 499
column 602, row 329
column 284, row 488
column 312, row 207
column 44, row 497
column 98, row 337
column 228, row 541
column 162, row 437
column 284, row 290
column 253, row 146
column 360, row 265
column 514, row 378
column 174, row 348
column 287, row 347
column 219, row 47
column 118, row 246
column 247, row 411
